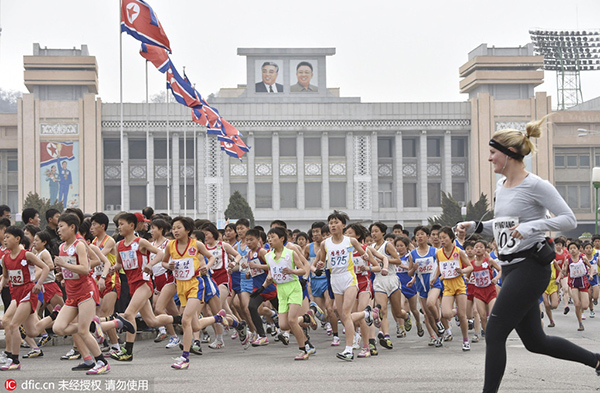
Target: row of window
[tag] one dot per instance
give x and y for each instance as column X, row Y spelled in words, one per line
column 137, row 149
column 577, row 196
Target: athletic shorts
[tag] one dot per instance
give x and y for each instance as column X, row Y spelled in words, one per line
column 51, row 289
column 268, row 296
column 423, row 289
column 594, row 281
column 552, row 287
column 486, row 294
column 471, row 292
column 235, row 282
column 112, row 285
column 364, row 285
column 318, row 286
column 163, row 279
column 23, row 294
column 76, row 301
column 455, row 286
column 221, row 277
column 289, row 293
column 580, row 283
column 246, row 284
column 329, row 290
column 342, row 281
column 202, row 288
column 404, row 278
column 386, row 284
column 133, row 286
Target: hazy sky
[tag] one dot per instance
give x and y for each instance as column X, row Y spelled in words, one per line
column 391, row 51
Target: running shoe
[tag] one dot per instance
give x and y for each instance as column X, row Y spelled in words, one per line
column 551, row 324
column 205, row 338
column 471, row 324
column 234, row 335
column 583, row 316
column 99, row 368
column 123, row 356
column 347, row 356
column 302, row 355
column 397, row 329
column 111, row 352
column 174, row 341
column 23, row 334
column 244, row 336
column 598, row 368
column 567, row 309
column 260, row 341
column 335, row 342
column 311, row 350
column 457, row 320
column 217, row 344
column 432, row 341
column 448, row 336
column 402, row 334
column 373, row 349
column 408, row 324
column 466, row 346
column 223, row 314
column 45, row 339
column 181, row 363
column 161, row 337
column 364, row 353
column 356, row 341
column 475, row 339
column 376, row 318
column 420, row 331
column 369, row 315
column 96, row 330
column 24, row 344
column 274, row 332
column 71, row 355
column 592, row 314
column 440, row 327
column 581, row 328
column 385, row 341
column 3, row 357
column 10, row 366
column 127, row 326
column 83, row 367
column 269, row 328
column 283, row 338
column 312, row 321
column 328, row 329
column 196, row 348
column 595, row 301
column 34, row 353
column 439, row 342
column 319, row 314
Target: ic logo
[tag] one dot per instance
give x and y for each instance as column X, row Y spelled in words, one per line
column 10, row 384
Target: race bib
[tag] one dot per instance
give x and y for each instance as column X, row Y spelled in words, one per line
column 577, row 269
column 15, row 277
column 482, row 278
column 129, row 259
column 67, row 274
column 279, row 277
column 506, row 243
column 184, row 269
column 426, row 265
column 448, row 268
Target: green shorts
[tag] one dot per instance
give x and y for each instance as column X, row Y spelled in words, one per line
column 289, row 293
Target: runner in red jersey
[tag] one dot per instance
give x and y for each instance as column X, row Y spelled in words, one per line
column 18, row 267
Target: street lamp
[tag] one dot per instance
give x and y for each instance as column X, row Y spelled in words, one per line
column 596, row 183
column 584, row 132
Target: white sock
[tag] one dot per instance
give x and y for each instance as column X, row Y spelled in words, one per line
column 219, row 337
column 162, row 330
column 348, row 349
column 449, row 331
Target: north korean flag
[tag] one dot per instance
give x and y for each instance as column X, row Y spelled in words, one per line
column 139, row 21
column 183, row 92
column 157, row 56
column 51, row 151
column 231, row 149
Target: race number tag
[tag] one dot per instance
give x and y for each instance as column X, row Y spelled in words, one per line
column 577, row 269
column 15, row 277
column 67, row 274
column 506, row 243
column 129, row 260
column 426, row 265
column 184, row 269
column 448, row 268
column 482, row 278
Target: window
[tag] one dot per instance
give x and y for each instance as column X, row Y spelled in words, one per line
column 458, row 192
column 577, row 196
column 572, row 161
column 242, row 188
column 312, row 147
column 409, row 147
column 459, row 147
column 160, row 197
column 288, row 195
column 410, row 194
column 337, row 147
column 597, row 161
column 264, row 195
column 137, row 197
column 160, row 150
column 189, row 195
column 262, row 147
column 189, row 148
column 434, row 147
column 386, row 195
column 287, row 147
column 13, row 200
column 312, row 192
column 12, row 165
column 137, row 149
column 337, row 194
column 559, row 161
column 434, row 194
column 584, row 161
column 112, row 197
column 384, row 147
column 112, row 149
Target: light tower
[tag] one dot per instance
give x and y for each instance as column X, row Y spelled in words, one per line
column 568, row 52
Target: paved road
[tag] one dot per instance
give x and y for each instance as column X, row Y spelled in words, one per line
column 411, row 366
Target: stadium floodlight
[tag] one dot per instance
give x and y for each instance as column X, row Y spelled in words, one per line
column 568, row 52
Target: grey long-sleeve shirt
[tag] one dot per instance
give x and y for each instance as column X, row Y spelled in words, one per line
column 529, row 202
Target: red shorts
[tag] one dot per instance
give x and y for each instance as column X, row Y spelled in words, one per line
column 222, row 277
column 112, row 284
column 364, row 285
column 486, row 294
column 91, row 292
column 133, row 286
column 22, row 294
column 51, row 289
column 162, row 280
column 470, row 292
column 269, row 296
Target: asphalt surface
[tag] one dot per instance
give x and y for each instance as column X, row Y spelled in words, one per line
column 412, row 366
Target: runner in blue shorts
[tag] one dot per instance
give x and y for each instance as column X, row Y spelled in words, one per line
column 408, row 292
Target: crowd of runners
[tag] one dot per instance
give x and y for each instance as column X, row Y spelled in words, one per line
column 197, row 284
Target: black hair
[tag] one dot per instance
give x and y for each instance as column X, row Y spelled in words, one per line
column 279, row 223
column 270, row 63
column 436, row 227
column 469, row 243
column 338, row 215
column 422, row 228
column 212, row 229
column 263, row 237
column 231, row 226
column 317, row 224
column 188, row 223
column 575, row 242
column 28, row 214
column 302, row 234
column 382, row 227
column 397, row 226
column 33, row 229
column 26, row 242
column 148, row 212
column 485, row 244
column 448, row 231
column 45, row 237
column 4, row 222
column 70, row 219
column 402, row 239
column 84, row 229
column 243, row 221
column 199, row 222
column 595, row 237
column 100, row 219
column 280, row 232
column 359, row 230
column 3, row 209
column 389, row 236
column 77, row 212
column 51, row 213
column 259, row 228
column 587, row 243
column 559, row 240
column 199, row 235
column 254, row 233
column 129, row 218
column 325, row 229
column 304, row 63
column 16, row 232
column 406, row 232
column 161, row 224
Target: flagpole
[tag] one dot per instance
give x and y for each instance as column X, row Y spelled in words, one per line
column 121, row 143
column 168, row 161
column 195, row 169
column 147, row 140
column 184, row 162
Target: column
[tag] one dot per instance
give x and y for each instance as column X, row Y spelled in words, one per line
column 176, row 177
column 447, row 169
column 350, row 171
column 374, row 173
column 275, row 172
column 251, row 172
column 150, row 170
column 201, row 185
column 398, row 173
column 125, row 171
column 300, row 169
column 422, row 180
column 325, row 171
